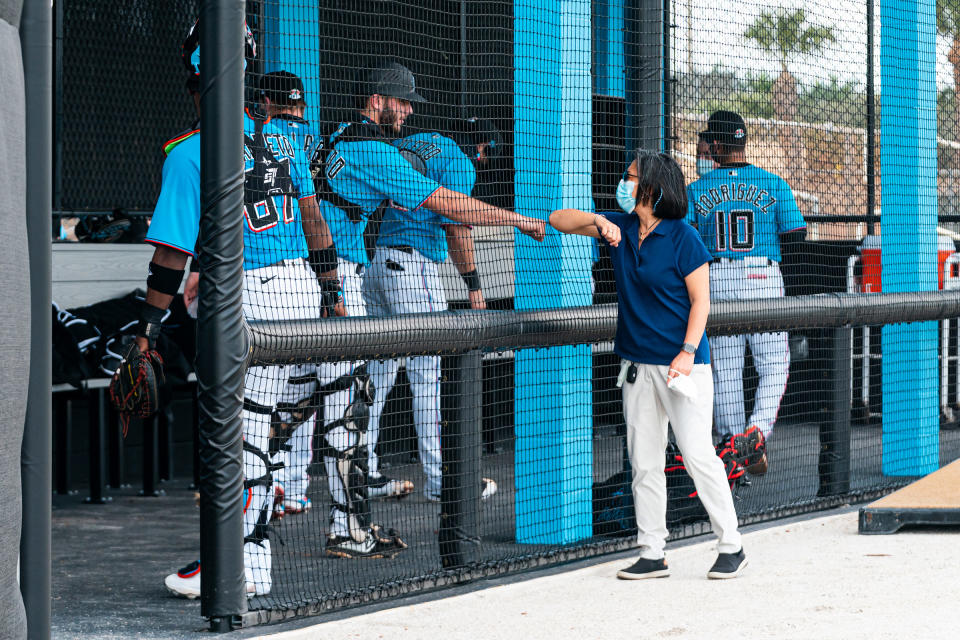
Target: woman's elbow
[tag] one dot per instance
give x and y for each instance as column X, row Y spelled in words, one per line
column 560, row 220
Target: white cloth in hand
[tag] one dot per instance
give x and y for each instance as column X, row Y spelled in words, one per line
column 683, row 385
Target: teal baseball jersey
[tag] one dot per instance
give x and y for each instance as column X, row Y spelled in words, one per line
column 741, row 210
column 276, row 178
column 363, row 168
column 441, row 160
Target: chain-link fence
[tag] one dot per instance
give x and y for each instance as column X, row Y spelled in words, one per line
column 428, row 141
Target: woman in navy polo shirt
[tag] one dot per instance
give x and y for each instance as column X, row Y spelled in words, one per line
column 663, row 296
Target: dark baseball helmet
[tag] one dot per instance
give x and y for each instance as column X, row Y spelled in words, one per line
column 190, row 53
column 471, row 133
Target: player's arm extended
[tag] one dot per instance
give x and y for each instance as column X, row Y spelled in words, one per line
column 167, row 280
column 463, row 208
column 460, row 241
column 583, row 223
column 323, row 255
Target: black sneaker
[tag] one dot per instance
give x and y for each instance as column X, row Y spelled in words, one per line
column 728, row 565
column 644, row 568
column 377, row 543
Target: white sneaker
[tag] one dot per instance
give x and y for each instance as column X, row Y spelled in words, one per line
column 296, row 505
column 488, row 487
column 185, row 583
column 257, row 563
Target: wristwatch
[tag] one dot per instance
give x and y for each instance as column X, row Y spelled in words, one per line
column 689, row 348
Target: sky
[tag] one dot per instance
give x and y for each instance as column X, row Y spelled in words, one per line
column 718, row 27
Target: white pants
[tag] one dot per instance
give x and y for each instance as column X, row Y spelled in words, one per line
column 400, row 282
column 284, row 291
column 294, row 473
column 748, row 279
column 648, row 405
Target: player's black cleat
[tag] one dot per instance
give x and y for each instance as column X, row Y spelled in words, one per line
column 728, row 565
column 644, row 568
column 378, row 543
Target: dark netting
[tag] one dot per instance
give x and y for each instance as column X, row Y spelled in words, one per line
column 503, row 458
column 119, row 97
column 466, row 420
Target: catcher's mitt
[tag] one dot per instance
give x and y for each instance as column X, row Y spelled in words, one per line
column 134, row 389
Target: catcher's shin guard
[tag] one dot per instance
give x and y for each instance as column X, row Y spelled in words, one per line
column 298, row 403
column 345, row 455
column 258, row 494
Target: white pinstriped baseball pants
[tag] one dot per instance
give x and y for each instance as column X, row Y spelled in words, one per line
column 400, row 282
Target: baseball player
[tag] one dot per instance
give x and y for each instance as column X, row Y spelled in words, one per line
column 289, row 273
column 283, row 99
column 362, row 167
column 743, row 213
column 356, row 171
column 404, row 277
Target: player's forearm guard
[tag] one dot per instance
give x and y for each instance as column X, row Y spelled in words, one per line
column 164, row 279
column 472, row 280
column 323, row 260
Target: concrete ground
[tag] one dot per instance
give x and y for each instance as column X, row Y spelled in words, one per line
column 815, row 578
column 109, row 560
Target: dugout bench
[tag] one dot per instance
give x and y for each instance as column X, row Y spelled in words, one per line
column 106, row 451
column 82, row 274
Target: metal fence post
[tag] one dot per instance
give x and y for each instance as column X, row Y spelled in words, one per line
column 220, row 332
column 833, row 465
column 461, row 442
column 36, row 45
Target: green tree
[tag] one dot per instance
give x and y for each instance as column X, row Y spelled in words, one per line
column 749, row 97
column 835, row 102
column 948, row 25
column 786, row 34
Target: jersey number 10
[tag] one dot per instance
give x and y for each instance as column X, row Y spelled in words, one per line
column 734, row 230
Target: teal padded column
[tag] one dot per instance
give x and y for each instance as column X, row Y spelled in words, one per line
column 552, row 158
column 908, row 218
column 608, row 52
column 291, row 43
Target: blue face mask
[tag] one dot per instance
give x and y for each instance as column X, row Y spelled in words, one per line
column 704, row 166
column 625, row 195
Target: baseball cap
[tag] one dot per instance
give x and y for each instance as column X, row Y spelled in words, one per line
column 283, row 88
column 390, row 79
column 726, row 127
